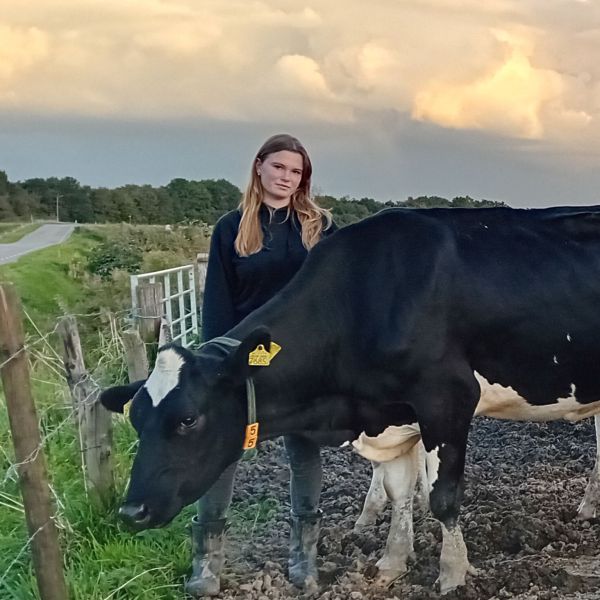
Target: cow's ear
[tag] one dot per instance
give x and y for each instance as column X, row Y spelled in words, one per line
column 115, row 398
column 237, row 365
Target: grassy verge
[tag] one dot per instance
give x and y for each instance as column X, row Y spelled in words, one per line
column 49, row 281
column 102, row 561
column 13, row 232
column 100, row 556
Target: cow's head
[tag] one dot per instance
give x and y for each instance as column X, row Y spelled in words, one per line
column 190, row 416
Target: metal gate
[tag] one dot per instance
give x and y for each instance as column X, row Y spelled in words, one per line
column 179, row 300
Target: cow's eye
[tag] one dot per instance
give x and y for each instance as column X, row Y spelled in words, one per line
column 189, row 424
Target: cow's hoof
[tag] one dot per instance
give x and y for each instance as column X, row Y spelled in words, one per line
column 386, row 576
column 363, row 522
column 445, row 585
column 448, row 582
column 385, row 579
column 308, row 585
column 586, row 511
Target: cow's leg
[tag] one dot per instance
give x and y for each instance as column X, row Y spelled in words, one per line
column 399, row 480
column 445, row 497
column 587, row 508
column 444, row 428
column 376, row 498
column 423, row 488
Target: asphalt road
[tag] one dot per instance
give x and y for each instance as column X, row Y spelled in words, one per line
column 46, row 235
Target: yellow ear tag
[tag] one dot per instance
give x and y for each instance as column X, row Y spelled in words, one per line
column 259, row 357
column 126, row 408
column 251, row 436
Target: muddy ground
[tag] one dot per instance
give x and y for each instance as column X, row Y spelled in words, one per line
column 524, row 483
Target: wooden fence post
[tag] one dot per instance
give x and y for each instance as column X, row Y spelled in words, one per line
column 150, row 296
column 95, row 424
column 31, row 465
column 135, row 354
column 202, row 260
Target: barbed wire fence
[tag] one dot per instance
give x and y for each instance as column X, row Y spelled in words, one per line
column 67, row 374
column 120, row 351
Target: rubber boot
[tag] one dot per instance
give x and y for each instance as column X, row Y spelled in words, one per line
column 302, row 564
column 207, row 558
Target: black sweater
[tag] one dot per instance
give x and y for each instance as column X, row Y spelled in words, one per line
column 235, row 285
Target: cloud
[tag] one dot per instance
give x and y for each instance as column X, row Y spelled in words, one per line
column 20, row 48
column 521, row 69
column 178, row 38
column 301, row 74
column 508, row 98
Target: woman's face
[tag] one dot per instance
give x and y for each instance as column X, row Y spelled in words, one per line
column 280, row 174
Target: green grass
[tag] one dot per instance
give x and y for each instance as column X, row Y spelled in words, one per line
column 100, row 557
column 102, row 561
column 49, row 281
column 13, row 232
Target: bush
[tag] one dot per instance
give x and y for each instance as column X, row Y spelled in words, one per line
column 111, row 255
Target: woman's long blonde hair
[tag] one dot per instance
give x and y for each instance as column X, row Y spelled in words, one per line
column 249, row 239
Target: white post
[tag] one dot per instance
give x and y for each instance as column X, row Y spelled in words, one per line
column 167, row 298
column 133, row 280
column 193, row 304
column 182, row 317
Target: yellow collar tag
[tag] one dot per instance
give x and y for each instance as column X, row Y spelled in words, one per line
column 251, row 436
column 260, row 357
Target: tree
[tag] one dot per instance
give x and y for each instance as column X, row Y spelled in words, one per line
column 24, row 204
column 224, row 197
column 103, row 206
column 180, row 201
column 46, row 190
column 3, row 183
column 125, row 206
column 6, row 210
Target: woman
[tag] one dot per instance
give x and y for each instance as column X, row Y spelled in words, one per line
column 254, row 252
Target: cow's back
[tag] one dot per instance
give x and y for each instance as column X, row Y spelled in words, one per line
column 527, row 298
column 514, row 292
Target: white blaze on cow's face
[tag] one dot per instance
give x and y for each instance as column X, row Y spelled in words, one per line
column 165, row 375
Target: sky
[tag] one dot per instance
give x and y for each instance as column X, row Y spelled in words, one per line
column 392, row 98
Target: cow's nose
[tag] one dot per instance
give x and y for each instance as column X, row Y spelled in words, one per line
column 134, row 514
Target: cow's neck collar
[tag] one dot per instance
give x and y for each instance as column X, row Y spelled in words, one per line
column 226, row 343
column 251, row 437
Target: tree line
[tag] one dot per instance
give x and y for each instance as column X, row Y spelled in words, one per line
column 180, row 201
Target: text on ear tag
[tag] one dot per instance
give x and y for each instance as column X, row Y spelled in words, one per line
column 260, row 357
column 251, row 436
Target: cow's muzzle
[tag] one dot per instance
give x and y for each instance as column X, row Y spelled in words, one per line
column 136, row 516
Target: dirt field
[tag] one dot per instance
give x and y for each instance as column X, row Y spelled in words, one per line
column 524, row 484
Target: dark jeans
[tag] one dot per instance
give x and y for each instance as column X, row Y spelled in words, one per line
column 305, row 482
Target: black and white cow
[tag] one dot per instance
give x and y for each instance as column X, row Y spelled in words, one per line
column 409, row 318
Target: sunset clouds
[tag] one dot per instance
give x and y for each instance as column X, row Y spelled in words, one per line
column 526, row 71
column 517, row 68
